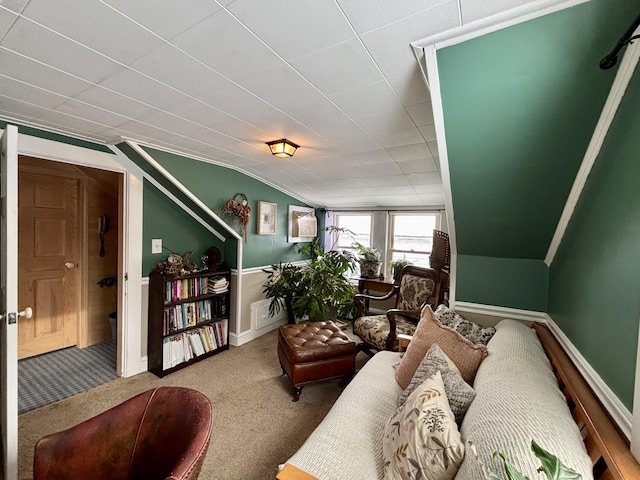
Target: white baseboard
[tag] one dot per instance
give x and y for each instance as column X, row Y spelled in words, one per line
column 245, row 337
column 144, row 364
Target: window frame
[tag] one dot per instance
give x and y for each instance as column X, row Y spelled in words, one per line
column 390, row 250
column 335, row 236
column 381, row 232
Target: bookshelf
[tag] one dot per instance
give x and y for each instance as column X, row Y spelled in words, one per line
column 188, row 318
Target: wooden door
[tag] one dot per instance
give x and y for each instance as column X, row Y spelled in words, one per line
column 9, row 303
column 48, row 255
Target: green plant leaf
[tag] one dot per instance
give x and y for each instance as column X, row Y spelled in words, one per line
column 553, row 468
column 488, row 474
column 512, row 473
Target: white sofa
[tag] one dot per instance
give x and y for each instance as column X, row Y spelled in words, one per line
column 517, row 400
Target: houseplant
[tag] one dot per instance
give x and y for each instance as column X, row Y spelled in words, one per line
column 325, row 285
column 397, row 266
column 315, row 289
column 369, row 260
column 111, row 282
column 281, row 287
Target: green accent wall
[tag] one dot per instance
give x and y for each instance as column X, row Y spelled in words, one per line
column 520, row 106
column 594, row 280
column 56, row 137
column 215, row 185
column 179, row 232
column 505, row 282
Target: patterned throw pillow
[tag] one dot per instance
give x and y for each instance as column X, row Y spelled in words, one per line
column 472, row 331
column 466, row 355
column 459, row 393
column 421, row 440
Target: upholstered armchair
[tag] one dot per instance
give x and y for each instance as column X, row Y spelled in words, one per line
column 416, row 287
column 159, row 434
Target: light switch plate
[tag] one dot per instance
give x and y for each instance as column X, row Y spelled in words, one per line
column 156, row 245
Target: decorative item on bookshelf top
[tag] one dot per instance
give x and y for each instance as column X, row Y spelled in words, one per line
column 176, row 264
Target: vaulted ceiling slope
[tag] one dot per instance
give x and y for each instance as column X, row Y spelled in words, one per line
column 215, row 80
column 520, row 106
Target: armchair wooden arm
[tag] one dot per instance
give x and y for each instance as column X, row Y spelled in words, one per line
column 391, row 316
column 403, row 341
column 361, row 299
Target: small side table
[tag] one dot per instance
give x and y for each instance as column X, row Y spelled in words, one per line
column 365, row 285
column 375, row 284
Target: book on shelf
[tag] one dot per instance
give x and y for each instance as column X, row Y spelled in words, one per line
column 190, row 314
column 218, row 284
column 184, row 346
column 184, row 288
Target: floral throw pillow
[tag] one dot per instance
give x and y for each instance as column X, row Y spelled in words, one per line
column 421, row 441
column 470, row 330
column 459, row 393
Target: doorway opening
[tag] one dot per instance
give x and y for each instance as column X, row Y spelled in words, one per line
column 68, row 256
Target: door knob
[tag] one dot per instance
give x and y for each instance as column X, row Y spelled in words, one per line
column 69, row 265
column 26, row 313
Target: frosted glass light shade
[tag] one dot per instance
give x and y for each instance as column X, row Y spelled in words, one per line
column 283, row 148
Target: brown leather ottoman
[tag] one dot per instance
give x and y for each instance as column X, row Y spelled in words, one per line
column 312, row 352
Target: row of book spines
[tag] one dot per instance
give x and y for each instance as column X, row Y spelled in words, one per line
column 191, row 314
column 184, row 288
column 185, row 346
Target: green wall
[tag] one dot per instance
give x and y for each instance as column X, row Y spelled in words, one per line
column 162, row 218
column 520, row 106
column 215, row 185
column 505, row 282
column 594, row 280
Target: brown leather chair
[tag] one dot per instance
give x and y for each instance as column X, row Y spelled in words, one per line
column 416, row 287
column 162, row 433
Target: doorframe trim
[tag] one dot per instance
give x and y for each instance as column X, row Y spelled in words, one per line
column 129, row 357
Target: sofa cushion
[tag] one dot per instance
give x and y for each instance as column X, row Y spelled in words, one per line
column 518, row 400
column 472, row 331
column 466, row 355
column 422, row 440
column 459, row 393
column 343, row 445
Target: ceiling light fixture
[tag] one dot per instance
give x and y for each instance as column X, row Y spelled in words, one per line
column 283, row 148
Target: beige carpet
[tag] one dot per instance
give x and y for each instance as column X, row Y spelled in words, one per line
column 256, row 425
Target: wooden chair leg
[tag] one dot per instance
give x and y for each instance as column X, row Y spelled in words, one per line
column 296, row 393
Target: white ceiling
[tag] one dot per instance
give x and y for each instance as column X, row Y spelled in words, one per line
column 217, row 79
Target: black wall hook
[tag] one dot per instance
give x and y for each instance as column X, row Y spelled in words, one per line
column 611, row 58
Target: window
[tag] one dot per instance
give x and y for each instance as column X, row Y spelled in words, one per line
column 411, row 236
column 397, row 235
column 359, row 224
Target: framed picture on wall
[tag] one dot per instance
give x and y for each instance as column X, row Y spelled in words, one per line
column 303, row 224
column 267, row 216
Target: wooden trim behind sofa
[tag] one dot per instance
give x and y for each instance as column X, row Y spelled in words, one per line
column 607, row 446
